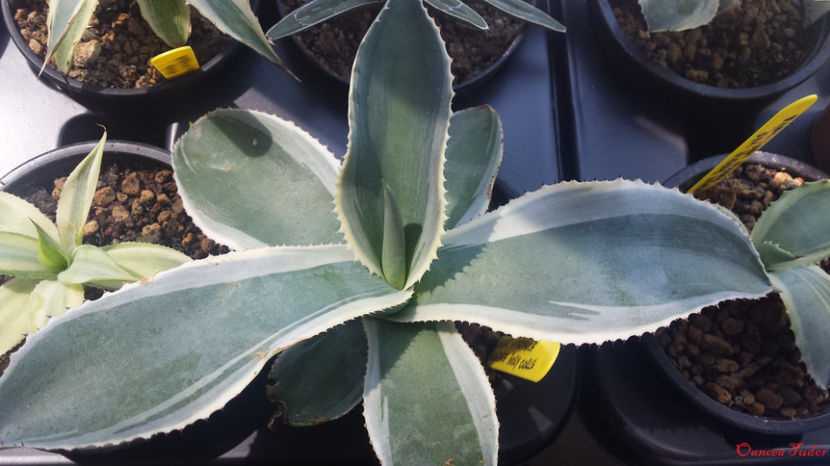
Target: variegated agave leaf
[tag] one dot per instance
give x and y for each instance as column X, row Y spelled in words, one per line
column 169, row 19
column 318, row 11
column 397, row 140
column 66, row 22
column 156, row 357
column 588, row 262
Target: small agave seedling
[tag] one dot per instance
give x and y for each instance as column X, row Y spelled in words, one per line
column 49, row 263
column 169, row 19
column 318, row 11
column 365, row 296
column 677, row 15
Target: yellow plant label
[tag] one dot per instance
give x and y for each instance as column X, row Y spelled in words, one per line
column 764, row 134
column 176, row 62
column 524, row 357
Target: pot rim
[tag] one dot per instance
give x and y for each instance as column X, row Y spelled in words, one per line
column 23, row 171
column 460, row 88
column 73, row 86
column 734, row 418
column 815, row 59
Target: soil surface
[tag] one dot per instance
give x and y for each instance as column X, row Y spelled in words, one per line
column 116, row 49
column 335, row 42
column 131, row 204
column 742, row 353
column 750, row 45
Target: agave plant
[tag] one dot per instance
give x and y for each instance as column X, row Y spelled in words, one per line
column 51, row 265
column 364, row 295
column 169, row 19
column 318, row 11
column 677, row 15
column 791, row 237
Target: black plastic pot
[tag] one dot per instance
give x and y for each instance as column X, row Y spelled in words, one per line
column 684, row 180
column 99, row 96
column 631, row 64
column 460, row 88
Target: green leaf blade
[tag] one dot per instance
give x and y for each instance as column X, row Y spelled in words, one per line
column 66, row 22
column 797, row 225
column 805, row 292
column 321, row 379
column 393, row 253
column 156, row 357
column 459, row 10
column 589, row 262
column 76, row 197
column 527, row 12
column 92, row 265
column 457, row 425
column 474, row 154
column 677, row 15
column 314, row 12
column 169, row 19
column 143, row 259
column 20, row 257
column 398, row 119
column 236, row 19
column 250, row 180
column 49, row 252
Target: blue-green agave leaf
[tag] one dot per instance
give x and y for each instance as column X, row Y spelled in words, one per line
column 398, row 119
column 427, row 398
column 589, row 262
column 805, row 292
column 155, row 357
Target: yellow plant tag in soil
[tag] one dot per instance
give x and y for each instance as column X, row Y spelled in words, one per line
column 764, row 134
column 176, row 62
column 524, row 357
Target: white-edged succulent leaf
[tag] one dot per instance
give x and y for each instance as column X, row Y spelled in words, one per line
column 792, row 231
column 677, row 15
column 399, row 113
column 236, row 19
column 144, row 259
column 457, row 9
column 314, row 12
column 18, row 216
column 169, row 19
column 805, row 292
column 155, row 357
column 49, row 299
column 250, row 180
column 14, row 298
column 66, row 22
column 426, row 397
column 92, row 265
column 474, row 154
column 19, row 257
column 527, row 12
column 589, row 262
column 76, row 197
column 321, row 378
